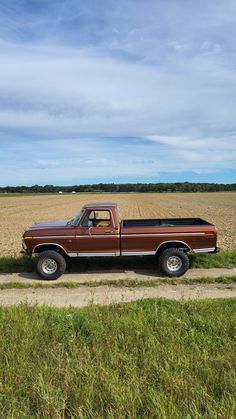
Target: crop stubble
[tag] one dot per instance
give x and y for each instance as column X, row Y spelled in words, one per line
column 18, row 213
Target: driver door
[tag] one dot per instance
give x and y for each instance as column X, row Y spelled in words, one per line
column 98, row 235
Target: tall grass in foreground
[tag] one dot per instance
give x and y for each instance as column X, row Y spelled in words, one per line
column 26, row 264
column 152, row 358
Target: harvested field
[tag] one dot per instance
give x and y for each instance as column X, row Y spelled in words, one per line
column 18, row 213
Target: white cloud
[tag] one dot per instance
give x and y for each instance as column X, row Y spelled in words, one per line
column 70, row 91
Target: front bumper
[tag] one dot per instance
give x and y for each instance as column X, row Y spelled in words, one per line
column 23, row 250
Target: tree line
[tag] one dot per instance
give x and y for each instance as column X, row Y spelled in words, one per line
column 123, row 187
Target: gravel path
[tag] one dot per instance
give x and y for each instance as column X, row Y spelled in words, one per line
column 98, row 275
column 84, row 295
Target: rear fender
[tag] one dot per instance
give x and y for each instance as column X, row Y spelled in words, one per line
column 176, row 244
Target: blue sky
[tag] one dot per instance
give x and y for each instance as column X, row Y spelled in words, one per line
column 116, row 91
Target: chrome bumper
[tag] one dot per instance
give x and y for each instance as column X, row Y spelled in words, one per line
column 24, row 247
column 207, row 250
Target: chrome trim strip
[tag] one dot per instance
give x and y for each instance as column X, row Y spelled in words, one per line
column 73, row 255
column 82, row 236
column 98, row 254
column 138, row 253
column 161, row 234
column 85, row 236
column 53, row 237
column 117, row 235
column 204, row 250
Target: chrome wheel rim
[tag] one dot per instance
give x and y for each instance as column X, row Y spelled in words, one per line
column 49, row 266
column 174, row 263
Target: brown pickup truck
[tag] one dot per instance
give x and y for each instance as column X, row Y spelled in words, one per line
column 97, row 231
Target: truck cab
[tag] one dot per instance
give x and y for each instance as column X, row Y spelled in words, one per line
column 98, row 231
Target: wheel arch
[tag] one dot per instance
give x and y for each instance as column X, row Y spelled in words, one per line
column 173, row 243
column 42, row 247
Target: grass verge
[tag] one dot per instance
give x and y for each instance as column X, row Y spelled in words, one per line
column 223, row 259
column 151, row 358
column 129, row 283
column 20, row 264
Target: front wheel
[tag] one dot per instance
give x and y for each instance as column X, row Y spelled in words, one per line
column 50, row 265
column 173, row 262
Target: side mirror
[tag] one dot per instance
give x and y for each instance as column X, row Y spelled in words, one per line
column 90, row 224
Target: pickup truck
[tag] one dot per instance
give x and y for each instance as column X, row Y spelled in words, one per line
column 97, row 231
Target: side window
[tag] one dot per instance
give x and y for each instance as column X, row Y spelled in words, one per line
column 100, row 218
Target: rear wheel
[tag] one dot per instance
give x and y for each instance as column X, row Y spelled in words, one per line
column 50, row 265
column 173, row 262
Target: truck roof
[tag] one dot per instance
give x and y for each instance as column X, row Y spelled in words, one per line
column 100, row 204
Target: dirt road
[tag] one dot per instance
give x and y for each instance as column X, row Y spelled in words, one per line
column 114, row 275
column 84, row 295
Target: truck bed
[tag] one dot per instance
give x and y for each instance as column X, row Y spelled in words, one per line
column 165, row 222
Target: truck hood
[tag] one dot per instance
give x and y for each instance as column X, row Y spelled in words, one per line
column 49, row 224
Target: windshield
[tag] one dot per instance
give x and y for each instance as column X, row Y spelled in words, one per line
column 76, row 220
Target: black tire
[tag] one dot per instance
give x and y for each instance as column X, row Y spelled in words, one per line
column 50, row 261
column 173, row 262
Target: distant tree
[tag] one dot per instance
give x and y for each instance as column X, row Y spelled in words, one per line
column 123, row 187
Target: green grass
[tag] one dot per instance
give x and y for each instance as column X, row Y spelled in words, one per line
column 151, row 358
column 128, row 283
column 20, row 264
column 135, row 283
column 222, row 259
